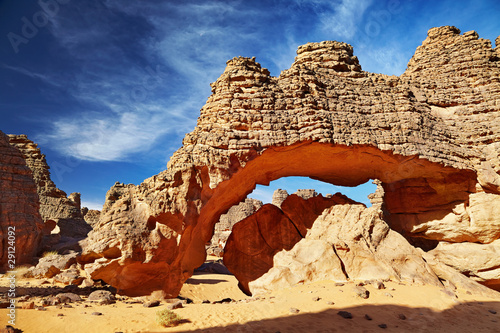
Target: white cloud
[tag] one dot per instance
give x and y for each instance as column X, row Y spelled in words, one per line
column 390, row 60
column 343, row 17
column 119, row 135
column 97, row 205
column 48, row 79
column 263, row 194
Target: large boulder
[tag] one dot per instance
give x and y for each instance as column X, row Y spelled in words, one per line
column 481, row 262
column 254, row 241
column 347, row 241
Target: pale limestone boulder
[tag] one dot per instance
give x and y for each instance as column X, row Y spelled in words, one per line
column 481, row 262
column 454, row 278
column 367, row 246
column 309, row 260
column 479, row 221
column 347, row 241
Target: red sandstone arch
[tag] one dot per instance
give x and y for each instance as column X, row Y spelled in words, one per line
column 412, row 185
column 428, row 136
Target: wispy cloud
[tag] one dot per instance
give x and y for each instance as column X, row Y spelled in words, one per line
column 45, row 78
column 132, row 106
column 342, row 18
column 116, row 136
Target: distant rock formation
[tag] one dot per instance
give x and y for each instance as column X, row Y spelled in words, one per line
column 223, row 228
column 278, row 197
column 431, row 137
column 91, row 216
column 58, row 210
column 20, row 221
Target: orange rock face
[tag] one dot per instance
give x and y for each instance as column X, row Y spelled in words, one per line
column 431, row 137
column 254, row 241
column 19, row 215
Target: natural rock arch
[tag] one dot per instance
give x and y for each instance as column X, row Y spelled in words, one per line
column 431, row 136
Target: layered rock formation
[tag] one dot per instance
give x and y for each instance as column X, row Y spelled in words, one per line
column 91, row 216
column 20, row 221
column 431, row 137
column 481, row 262
column 56, row 208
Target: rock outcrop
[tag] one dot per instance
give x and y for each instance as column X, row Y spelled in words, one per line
column 56, row 208
column 481, row 262
column 254, row 241
column 225, row 225
column 278, row 197
column 351, row 242
column 91, row 216
column 20, row 221
column 235, row 214
column 431, row 137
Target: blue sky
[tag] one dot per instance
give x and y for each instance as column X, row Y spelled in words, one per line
column 108, row 88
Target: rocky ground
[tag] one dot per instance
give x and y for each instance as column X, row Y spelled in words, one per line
column 213, row 303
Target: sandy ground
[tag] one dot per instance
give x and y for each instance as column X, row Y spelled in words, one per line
column 425, row 309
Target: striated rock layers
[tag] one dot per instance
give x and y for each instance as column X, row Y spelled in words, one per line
column 431, row 137
column 57, row 210
column 19, row 215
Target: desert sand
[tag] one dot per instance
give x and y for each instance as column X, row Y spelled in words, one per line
column 401, row 307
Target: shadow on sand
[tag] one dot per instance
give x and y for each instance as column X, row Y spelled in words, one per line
column 464, row 317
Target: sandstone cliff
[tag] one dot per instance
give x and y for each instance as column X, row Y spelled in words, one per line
column 431, row 137
column 19, row 209
column 56, row 208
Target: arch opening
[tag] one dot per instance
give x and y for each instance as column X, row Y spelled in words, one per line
column 275, row 193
